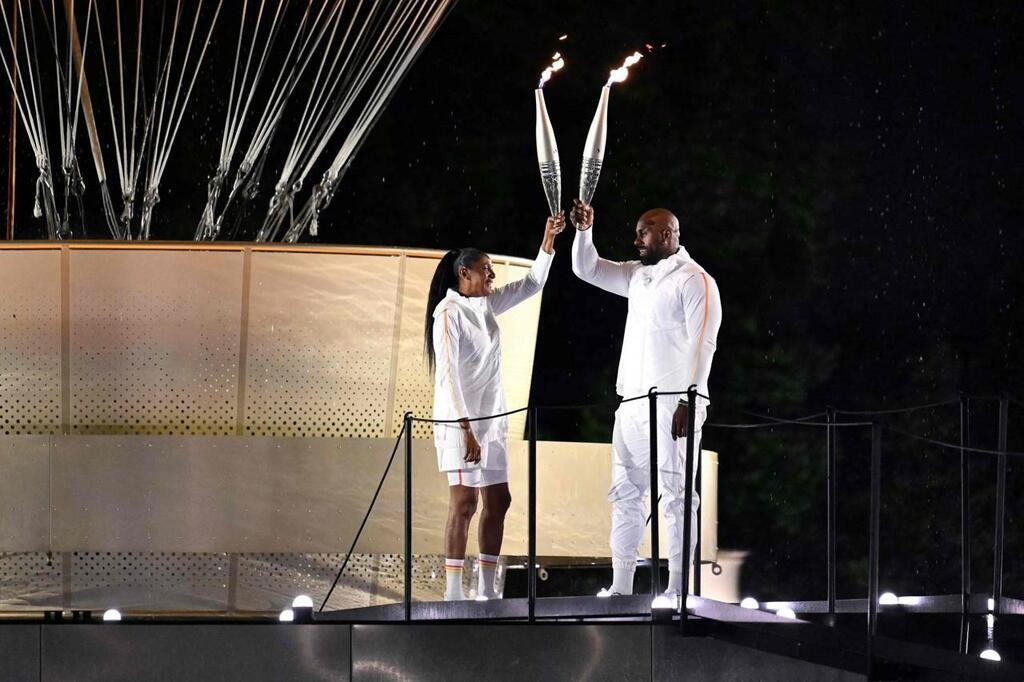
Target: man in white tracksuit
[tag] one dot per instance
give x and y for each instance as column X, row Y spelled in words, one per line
column 669, row 341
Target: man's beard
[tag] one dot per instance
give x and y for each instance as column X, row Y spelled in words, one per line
column 649, row 258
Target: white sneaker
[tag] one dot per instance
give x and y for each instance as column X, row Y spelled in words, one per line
column 606, row 592
column 669, row 599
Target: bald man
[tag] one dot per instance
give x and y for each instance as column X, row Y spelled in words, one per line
column 669, row 341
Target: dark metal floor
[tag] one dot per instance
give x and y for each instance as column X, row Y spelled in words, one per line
column 638, row 607
column 838, row 641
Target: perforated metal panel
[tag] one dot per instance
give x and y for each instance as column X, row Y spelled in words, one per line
column 319, row 344
column 414, row 387
column 30, row 342
column 154, row 341
column 268, row 582
column 150, row 340
column 29, row 580
column 174, row 581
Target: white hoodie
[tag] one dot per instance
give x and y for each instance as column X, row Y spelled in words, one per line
column 673, row 320
column 467, row 348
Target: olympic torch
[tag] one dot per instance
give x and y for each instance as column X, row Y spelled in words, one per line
column 547, row 148
column 593, row 151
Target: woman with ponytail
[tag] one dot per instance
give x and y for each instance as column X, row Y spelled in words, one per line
column 463, row 348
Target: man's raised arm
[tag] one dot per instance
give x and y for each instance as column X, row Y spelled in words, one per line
column 609, row 275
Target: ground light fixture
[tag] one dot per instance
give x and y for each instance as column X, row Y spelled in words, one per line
column 786, row 612
column 749, row 603
column 302, row 609
column 990, row 653
column 888, row 599
column 111, row 616
column 286, row 616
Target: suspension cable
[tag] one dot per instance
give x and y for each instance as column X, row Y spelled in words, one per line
column 418, row 29
column 899, row 410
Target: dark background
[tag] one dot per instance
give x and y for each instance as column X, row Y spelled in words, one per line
column 848, row 173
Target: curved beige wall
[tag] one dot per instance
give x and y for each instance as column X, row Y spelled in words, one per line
column 199, row 339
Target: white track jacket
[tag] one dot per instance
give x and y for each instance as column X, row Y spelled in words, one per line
column 673, row 320
column 467, row 347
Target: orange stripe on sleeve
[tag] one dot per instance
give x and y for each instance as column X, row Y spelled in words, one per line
column 451, row 364
column 703, row 329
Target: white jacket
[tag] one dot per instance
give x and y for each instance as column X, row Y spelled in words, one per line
column 467, row 348
column 674, row 315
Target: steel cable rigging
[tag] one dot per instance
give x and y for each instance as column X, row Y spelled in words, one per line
column 342, row 62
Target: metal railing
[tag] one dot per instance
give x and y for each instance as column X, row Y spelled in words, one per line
column 870, row 419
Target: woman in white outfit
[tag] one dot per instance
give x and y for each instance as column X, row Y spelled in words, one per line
column 463, row 346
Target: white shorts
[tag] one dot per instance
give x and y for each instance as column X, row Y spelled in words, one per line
column 490, row 470
column 493, row 455
column 477, row 478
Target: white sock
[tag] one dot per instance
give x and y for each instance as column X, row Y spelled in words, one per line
column 622, row 576
column 675, row 580
column 453, row 572
column 488, row 565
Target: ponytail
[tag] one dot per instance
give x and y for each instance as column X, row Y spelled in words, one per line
column 446, row 277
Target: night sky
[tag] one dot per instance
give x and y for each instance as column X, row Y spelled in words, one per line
column 846, row 171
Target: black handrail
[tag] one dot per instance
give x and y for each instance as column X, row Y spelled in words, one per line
column 831, row 423
column 652, row 396
column 688, row 464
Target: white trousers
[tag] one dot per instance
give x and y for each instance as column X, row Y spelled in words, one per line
column 631, row 479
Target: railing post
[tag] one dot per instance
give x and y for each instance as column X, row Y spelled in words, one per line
column 408, row 517
column 997, row 559
column 652, row 400
column 688, row 559
column 873, row 531
column 832, row 502
column 698, row 563
column 965, row 633
column 965, row 510
column 531, row 569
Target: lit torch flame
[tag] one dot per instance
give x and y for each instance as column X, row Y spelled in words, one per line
column 620, row 74
column 556, row 65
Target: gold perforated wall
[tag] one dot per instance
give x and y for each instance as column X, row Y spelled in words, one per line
column 154, row 341
column 320, row 336
column 180, row 339
column 30, row 342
